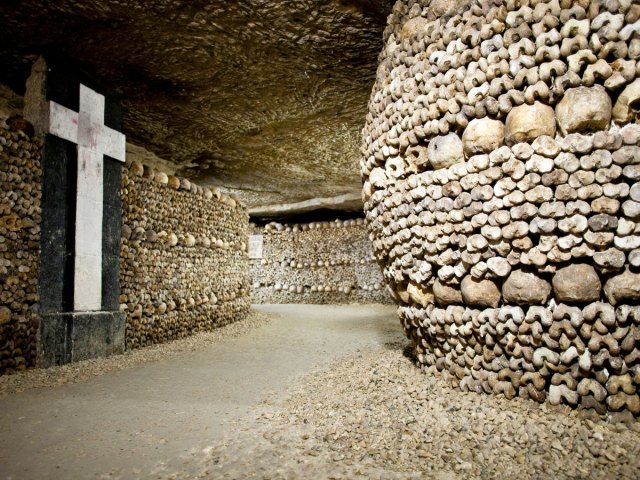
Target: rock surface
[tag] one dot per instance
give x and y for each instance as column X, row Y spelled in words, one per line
column 584, row 109
column 625, row 286
column 627, row 106
column 348, row 202
column 525, row 288
column 445, row 151
column 483, row 135
column 577, row 283
column 446, row 294
column 233, row 94
column 480, row 293
column 527, row 122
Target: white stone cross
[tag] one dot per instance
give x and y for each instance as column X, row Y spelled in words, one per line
column 94, row 139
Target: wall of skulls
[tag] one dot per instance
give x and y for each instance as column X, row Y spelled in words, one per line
column 184, row 264
column 501, row 176
column 20, row 195
column 317, row 263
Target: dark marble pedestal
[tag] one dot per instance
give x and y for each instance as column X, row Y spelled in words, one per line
column 71, row 337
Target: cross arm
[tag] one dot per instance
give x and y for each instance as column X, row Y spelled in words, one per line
column 63, row 122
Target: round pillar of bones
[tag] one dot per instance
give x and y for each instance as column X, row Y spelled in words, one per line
column 500, row 170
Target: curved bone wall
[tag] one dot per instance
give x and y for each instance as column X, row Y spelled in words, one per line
column 20, row 217
column 501, row 176
column 184, row 266
column 318, row 263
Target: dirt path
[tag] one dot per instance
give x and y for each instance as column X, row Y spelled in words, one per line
column 150, row 418
column 318, row 392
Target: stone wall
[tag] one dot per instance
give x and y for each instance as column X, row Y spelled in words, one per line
column 317, row 263
column 20, row 195
column 184, row 264
column 500, row 177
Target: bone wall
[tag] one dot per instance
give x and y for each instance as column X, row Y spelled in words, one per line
column 501, row 165
column 184, row 264
column 317, row 263
column 20, row 195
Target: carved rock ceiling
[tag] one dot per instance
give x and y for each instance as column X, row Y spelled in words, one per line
column 265, row 97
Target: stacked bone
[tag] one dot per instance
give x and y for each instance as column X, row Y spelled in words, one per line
column 318, row 263
column 501, row 167
column 20, row 195
column 184, row 264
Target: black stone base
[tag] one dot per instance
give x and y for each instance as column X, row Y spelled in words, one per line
column 71, row 337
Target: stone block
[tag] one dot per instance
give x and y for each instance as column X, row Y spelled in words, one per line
column 73, row 337
column 584, row 109
column 577, row 283
column 525, row 288
column 525, row 123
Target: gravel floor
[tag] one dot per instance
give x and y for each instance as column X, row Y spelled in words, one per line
column 375, row 415
column 78, row 372
column 371, row 414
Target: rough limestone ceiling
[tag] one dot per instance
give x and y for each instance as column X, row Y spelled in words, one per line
column 268, row 97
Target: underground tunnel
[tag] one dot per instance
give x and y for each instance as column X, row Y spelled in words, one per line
column 339, row 239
